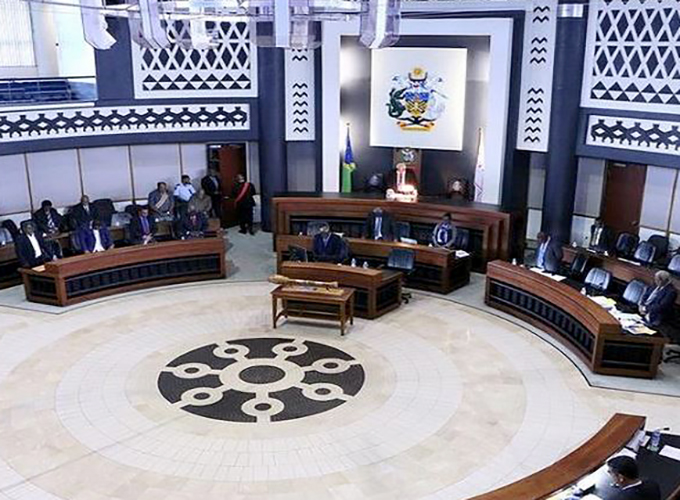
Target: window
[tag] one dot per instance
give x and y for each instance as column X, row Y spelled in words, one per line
column 16, row 36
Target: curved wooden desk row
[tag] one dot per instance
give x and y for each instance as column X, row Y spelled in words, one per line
column 436, row 269
column 614, row 436
column 585, row 327
column 490, row 227
column 84, row 277
column 376, row 291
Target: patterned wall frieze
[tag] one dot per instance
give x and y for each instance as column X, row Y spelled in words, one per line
column 100, row 121
column 300, row 116
column 537, row 75
column 633, row 56
column 637, row 135
column 227, row 69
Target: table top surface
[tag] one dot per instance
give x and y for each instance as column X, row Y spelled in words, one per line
column 285, row 291
column 384, row 273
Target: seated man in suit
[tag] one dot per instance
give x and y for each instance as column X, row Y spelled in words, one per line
column 201, row 202
column 161, row 202
column 600, row 237
column 95, row 238
column 83, row 213
column 328, row 247
column 658, row 304
column 379, row 225
column 548, row 254
column 47, row 219
column 30, row 247
column 142, row 227
column 193, row 224
column 626, row 476
column 444, row 233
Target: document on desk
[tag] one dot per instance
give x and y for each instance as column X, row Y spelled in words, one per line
column 555, row 277
column 461, row 254
column 602, row 301
column 670, row 452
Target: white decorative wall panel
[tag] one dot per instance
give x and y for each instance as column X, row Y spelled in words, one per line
column 106, row 172
column 194, row 161
column 537, row 75
column 649, row 136
column 55, row 175
column 229, row 69
column 154, row 163
column 14, row 185
column 633, row 56
column 92, row 121
column 300, row 116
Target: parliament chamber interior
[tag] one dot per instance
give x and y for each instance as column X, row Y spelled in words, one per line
column 472, row 207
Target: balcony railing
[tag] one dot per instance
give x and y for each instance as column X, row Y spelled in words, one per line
column 18, row 91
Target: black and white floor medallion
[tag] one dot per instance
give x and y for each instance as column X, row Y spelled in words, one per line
column 261, row 379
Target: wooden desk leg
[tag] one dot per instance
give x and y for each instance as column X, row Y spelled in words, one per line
column 343, row 317
column 351, row 310
column 274, row 311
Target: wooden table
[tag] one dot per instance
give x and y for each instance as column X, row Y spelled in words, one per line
column 377, row 291
column 436, row 269
column 84, row 277
column 315, row 305
column 573, row 319
column 494, row 232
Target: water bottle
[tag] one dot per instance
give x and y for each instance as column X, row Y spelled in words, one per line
column 365, row 265
column 514, row 262
column 354, row 262
column 655, row 441
column 583, row 291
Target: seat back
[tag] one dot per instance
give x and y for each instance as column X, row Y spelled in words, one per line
column 104, row 209
column 5, row 237
column 578, row 266
column 645, row 252
column 297, row 254
column 344, row 251
column 674, row 264
column 11, row 227
column 598, row 279
column 401, row 259
column 661, row 245
column 626, row 243
column 402, row 229
column 120, row 219
column 461, row 240
column 314, row 227
column 634, row 292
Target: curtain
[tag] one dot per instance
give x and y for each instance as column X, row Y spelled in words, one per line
column 16, row 35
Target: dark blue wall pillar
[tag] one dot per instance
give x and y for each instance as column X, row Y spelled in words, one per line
column 272, row 123
column 114, row 66
column 562, row 163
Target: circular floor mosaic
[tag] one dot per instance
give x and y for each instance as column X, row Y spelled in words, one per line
column 261, row 380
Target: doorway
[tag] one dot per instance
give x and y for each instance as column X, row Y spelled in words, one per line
column 229, row 160
column 624, row 186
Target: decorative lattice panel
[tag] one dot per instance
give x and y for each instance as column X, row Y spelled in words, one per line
column 649, row 136
column 633, row 56
column 300, row 115
column 229, row 69
column 537, row 72
column 97, row 121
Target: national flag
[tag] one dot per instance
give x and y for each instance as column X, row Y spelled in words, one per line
column 479, row 168
column 348, row 166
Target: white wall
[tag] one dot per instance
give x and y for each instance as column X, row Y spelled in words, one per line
column 587, row 198
column 661, row 205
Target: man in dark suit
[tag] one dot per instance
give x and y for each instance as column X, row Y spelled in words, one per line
column 83, row 213
column 244, row 198
column 193, row 224
column 625, row 474
column 601, row 237
column 212, row 186
column 95, row 238
column 30, row 247
column 379, row 225
column 328, row 247
column 142, row 227
column 47, row 219
column 548, row 254
column 658, row 304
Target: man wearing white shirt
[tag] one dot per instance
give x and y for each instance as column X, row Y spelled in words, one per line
column 183, row 193
column 30, row 247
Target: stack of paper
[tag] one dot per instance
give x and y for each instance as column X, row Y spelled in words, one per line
column 605, row 302
column 670, row 452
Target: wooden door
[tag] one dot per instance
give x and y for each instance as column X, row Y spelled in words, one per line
column 232, row 161
column 622, row 200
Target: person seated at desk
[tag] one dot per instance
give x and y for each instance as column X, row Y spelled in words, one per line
column 444, row 233
column 327, row 245
column 379, row 225
column 201, row 202
column 600, row 237
column 657, row 305
column 30, row 247
column 193, row 224
column 183, row 193
column 95, row 238
column 548, row 254
column 161, row 202
column 142, row 227
column 626, row 476
column 83, row 213
column 47, row 219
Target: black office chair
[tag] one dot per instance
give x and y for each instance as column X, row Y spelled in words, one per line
column 403, row 260
column 645, row 253
column 345, row 253
column 297, row 254
column 402, row 230
column 11, row 227
column 674, row 265
column 578, row 266
column 375, row 183
column 626, row 244
column 598, row 280
column 104, row 209
column 461, row 240
column 661, row 244
column 632, row 295
column 314, row 227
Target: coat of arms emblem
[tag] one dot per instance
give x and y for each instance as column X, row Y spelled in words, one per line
column 415, row 100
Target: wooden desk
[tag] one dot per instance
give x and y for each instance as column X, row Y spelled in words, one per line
column 575, row 320
column 314, row 305
column 614, row 436
column 493, row 231
column 622, row 271
column 9, row 267
column 84, row 277
column 436, row 269
column 376, row 291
